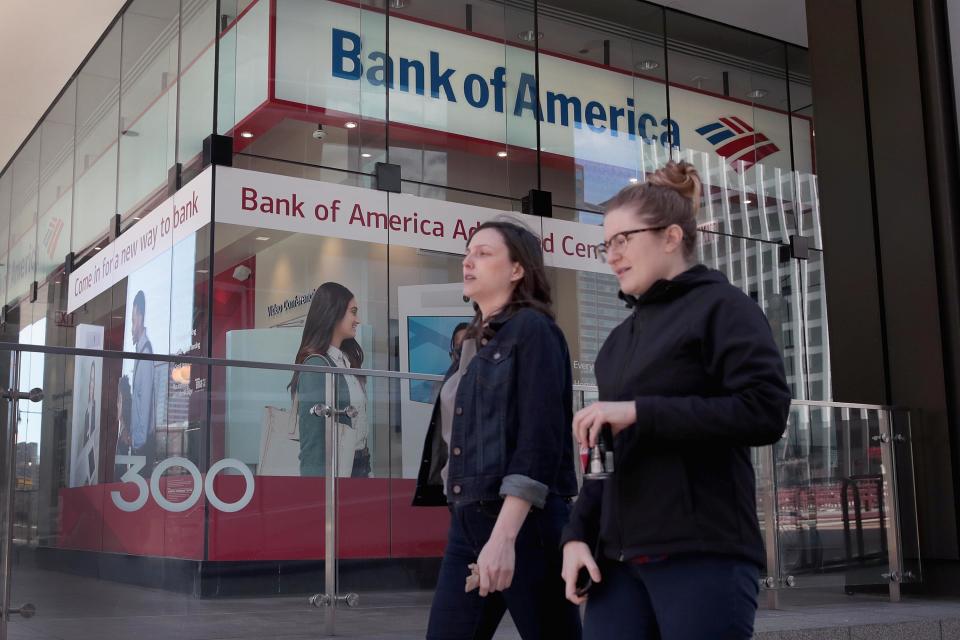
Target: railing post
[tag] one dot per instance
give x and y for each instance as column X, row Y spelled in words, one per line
column 890, row 506
column 768, row 497
column 331, row 442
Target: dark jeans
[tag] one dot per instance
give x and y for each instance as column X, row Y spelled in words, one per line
column 709, row 597
column 535, row 598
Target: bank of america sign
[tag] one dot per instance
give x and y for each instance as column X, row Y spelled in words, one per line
column 332, row 57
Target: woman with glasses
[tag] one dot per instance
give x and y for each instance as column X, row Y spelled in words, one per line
column 687, row 384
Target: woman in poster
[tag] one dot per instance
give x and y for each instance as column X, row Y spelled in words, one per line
column 87, row 458
column 330, row 339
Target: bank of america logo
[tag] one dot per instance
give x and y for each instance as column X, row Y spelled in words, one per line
column 52, row 235
column 737, row 141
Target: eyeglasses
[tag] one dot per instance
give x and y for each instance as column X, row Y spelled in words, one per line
column 619, row 242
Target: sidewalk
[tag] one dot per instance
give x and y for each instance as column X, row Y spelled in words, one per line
column 76, row 608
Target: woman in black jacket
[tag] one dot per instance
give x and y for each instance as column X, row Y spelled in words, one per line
column 688, row 383
column 498, row 451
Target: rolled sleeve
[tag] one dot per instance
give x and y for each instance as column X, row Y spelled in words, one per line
column 542, row 419
column 525, row 488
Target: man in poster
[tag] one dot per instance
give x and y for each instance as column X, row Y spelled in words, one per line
column 143, row 418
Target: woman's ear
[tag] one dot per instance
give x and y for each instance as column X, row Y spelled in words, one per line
column 674, row 238
column 518, row 272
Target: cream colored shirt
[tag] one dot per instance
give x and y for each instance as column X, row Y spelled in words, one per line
column 448, row 399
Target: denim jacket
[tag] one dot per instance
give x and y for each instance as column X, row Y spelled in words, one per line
column 512, row 423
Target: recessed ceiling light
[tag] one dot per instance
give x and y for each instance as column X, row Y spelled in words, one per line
column 501, row 154
column 647, row 65
column 634, row 180
column 246, row 134
column 96, row 248
column 350, row 124
column 757, row 93
column 366, row 155
column 530, row 35
column 262, row 238
column 398, row 4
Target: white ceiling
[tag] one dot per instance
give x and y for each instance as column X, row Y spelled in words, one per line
column 42, row 42
column 780, row 19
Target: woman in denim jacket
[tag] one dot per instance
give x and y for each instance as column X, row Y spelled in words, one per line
column 499, row 453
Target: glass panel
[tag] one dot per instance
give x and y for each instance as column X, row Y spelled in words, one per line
column 86, row 546
column 6, row 192
column 728, row 96
column 817, row 345
column 95, row 166
column 462, row 109
column 198, row 24
column 604, row 95
column 906, row 495
column 56, row 183
column 148, row 103
column 25, row 171
column 830, row 494
column 243, row 73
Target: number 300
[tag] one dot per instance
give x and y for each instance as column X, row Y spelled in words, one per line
column 132, row 476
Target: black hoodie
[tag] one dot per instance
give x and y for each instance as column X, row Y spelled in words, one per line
column 698, row 358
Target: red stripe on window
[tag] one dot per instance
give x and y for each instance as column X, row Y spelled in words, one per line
column 745, row 126
column 730, row 124
column 734, row 147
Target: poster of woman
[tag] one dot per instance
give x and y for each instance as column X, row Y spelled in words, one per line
column 85, row 432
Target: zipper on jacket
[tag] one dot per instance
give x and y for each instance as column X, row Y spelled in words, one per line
column 635, row 325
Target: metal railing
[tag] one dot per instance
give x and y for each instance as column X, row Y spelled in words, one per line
column 822, row 510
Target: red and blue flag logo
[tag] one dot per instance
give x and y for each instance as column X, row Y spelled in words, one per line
column 737, row 141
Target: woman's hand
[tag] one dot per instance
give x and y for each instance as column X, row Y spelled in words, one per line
column 576, row 555
column 588, row 421
column 495, row 564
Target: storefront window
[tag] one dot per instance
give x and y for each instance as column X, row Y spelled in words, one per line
column 148, row 103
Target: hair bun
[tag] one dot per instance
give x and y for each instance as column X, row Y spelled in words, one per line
column 682, row 177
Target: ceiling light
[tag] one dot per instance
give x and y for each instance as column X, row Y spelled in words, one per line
column 202, row 271
column 757, row 93
column 501, row 154
column 530, row 35
column 366, row 155
column 96, row 248
column 262, row 238
column 350, row 124
column 634, row 180
column 647, row 65
column 398, row 4
column 246, row 134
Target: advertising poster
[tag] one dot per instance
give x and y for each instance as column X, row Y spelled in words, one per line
column 150, row 406
column 87, row 381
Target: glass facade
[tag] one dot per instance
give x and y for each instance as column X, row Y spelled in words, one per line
column 477, row 103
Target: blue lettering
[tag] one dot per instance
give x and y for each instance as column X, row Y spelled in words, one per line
column 558, row 99
column 596, row 112
column 499, row 85
column 527, row 97
column 615, row 115
column 642, row 128
column 672, row 135
column 440, row 80
column 341, row 55
column 384, row 69
column 417, row 67
column 471, row 82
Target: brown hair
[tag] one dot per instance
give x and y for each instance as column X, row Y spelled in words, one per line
column 671, row 195
column 533, row 289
